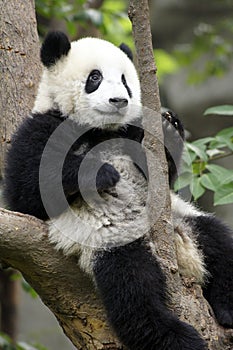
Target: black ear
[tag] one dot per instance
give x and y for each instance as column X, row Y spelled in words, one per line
column 55, row 45
column 126, row 50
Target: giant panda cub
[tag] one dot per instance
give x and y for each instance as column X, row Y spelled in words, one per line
column 77, row 162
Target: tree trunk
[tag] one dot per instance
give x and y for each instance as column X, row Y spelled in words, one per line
column 20, row 70
column 186, row 297
column 20, row 65
column 23, row 239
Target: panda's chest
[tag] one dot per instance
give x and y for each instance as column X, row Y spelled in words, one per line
column 118, row 215
column 115, row 217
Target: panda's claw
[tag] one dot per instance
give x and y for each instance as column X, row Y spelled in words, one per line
column 172, row 123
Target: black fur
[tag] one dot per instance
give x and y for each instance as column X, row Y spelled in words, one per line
column 55, row 45
column 93, row 81
column 123, row 79
column 22, row 191
column 216, row 241
column 133, row 289
column 173, row 142
column 129, row 278
column 126, row 50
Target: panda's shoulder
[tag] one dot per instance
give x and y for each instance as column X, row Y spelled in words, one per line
column 35, row 127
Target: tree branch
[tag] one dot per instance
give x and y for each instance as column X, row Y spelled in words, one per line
column 62, row 286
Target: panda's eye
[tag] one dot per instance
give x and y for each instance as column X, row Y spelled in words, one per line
column 93, row 81
column 95, row 75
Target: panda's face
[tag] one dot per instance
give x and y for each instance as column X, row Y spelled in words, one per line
column 94, row 83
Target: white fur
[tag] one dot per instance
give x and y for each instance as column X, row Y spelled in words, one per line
column 182, row 208
column 119, row 215
column 63, row 85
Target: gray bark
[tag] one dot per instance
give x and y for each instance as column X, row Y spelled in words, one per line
column 19, row 65
column 186, row 297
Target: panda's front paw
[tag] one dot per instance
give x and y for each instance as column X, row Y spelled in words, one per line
column 172, row 124
column 225, row 318
column 223, row 314
column 107, row 177
column 185, row 337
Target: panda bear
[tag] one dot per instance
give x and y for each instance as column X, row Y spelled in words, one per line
column 77, row 162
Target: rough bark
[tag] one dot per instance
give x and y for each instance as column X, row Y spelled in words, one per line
column 62, row 286
column 9, row 288
column 19, row 65
column 23, row 239
column 186, row 297
column 23, row 243
column 19, row 71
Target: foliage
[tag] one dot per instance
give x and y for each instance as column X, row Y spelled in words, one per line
column 110, row 19
column 166, row 63
column 210, row 53
column 25, row 286
column 7, row 344
column 198, row 171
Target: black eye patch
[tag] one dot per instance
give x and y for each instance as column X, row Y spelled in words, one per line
column 126, row 85
column 93, row 81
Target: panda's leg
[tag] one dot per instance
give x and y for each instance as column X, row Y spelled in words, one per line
column 216, row 240
column 133, row 291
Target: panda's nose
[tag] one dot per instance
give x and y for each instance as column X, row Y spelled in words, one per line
column 118, row 102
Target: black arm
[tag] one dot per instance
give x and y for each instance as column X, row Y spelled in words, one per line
column 42, row 159
column 173, row 142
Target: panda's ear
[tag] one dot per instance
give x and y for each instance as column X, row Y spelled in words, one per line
column 55, row 45
column 126, row 50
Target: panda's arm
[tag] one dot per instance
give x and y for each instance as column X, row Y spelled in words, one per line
column 41, row 159
column 133, row 290
column 173, row 142
column 21, row 177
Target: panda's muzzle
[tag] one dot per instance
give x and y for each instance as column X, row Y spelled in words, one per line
column 118, row 102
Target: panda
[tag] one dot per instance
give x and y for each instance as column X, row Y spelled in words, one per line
column 77, row 162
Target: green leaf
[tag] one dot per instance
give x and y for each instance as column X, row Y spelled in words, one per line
column 224, row 195
column 28, row 289
column 166, row 63
column 198, row 151
column 223, row 175
column 203, row 141
column 188, row 156
column 210, row 182
column 214, row 152
column 227, row 132
column 224, row 138
column 95, row 16
column 196, row 188
column 183, row 181
column 220, row 110
column 224, row 142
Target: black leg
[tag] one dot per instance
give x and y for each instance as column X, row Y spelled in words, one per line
column 216, row 240
column 133, row 290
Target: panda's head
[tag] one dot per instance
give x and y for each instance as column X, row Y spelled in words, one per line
column 90, row 80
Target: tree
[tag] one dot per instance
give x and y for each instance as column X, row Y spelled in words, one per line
column 20, row 70
column 24, row 243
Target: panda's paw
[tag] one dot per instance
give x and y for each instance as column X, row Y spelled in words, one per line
column 107, row 177
column 224, row 315
column 185, row 337
column 172, row 126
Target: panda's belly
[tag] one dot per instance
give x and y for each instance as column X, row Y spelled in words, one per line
column 116, row 217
